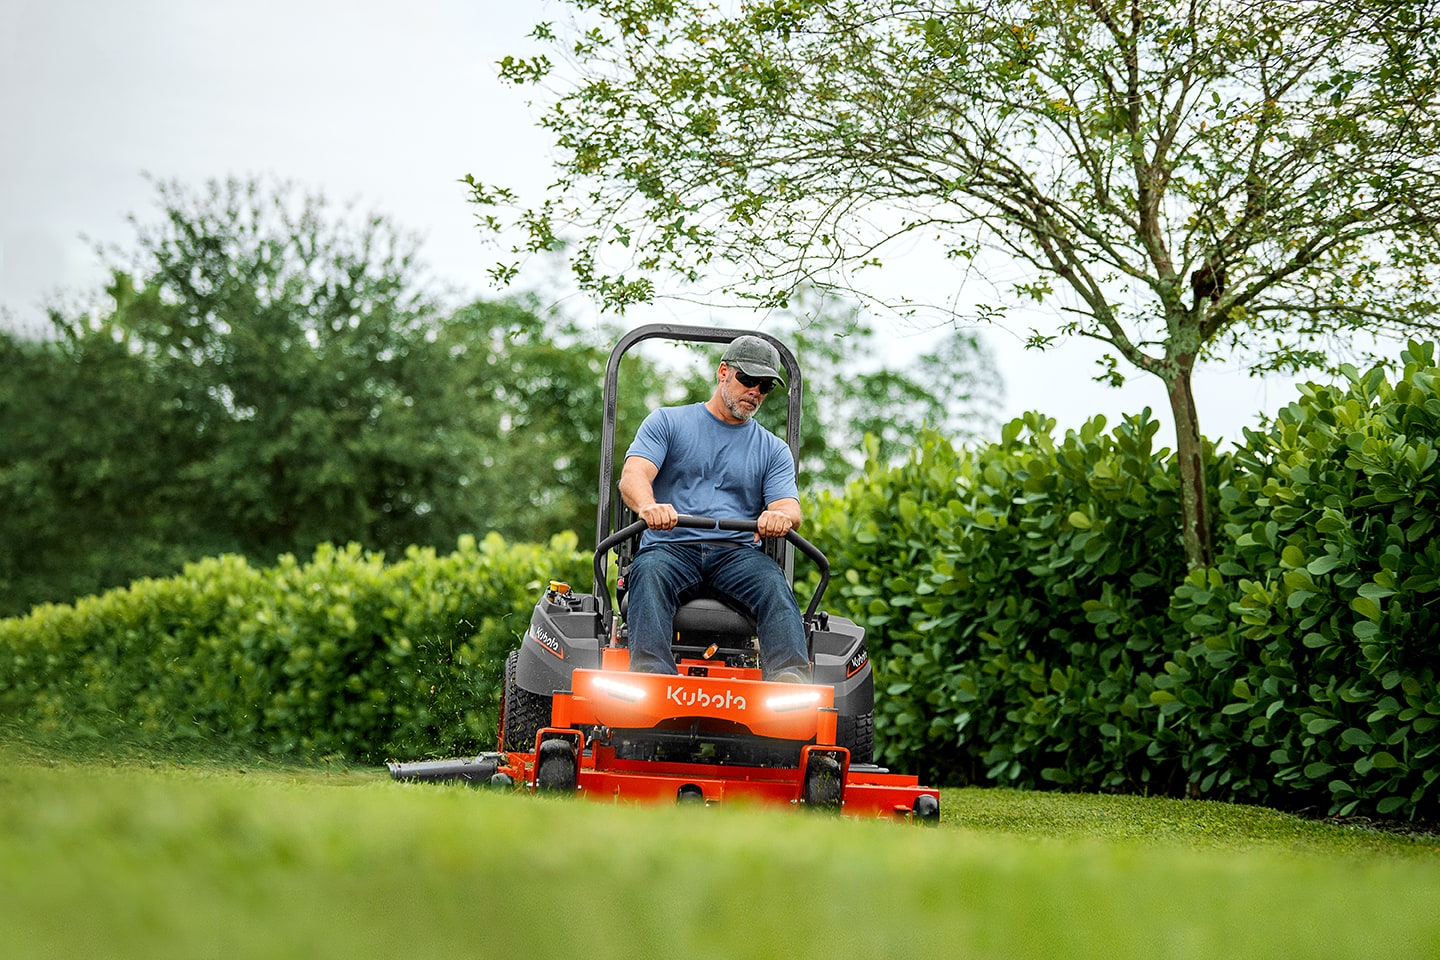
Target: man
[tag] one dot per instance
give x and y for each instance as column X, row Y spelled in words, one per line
column 712, row 459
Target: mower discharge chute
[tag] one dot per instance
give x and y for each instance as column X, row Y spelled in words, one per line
column 574, row 719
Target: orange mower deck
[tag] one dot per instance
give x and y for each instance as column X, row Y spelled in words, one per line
column 577, row 754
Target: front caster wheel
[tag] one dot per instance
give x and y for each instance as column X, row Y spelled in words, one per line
column 927, row 810
column 556, row 770
column 824, row 782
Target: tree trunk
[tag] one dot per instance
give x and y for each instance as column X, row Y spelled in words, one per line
column 1194, row 505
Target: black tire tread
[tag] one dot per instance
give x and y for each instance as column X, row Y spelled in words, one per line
column 857, row 734
column 824, row 784
column 522, row 713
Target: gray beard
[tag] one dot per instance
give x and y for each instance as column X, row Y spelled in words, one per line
column 737, row 411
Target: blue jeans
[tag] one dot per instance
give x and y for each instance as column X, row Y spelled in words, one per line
column 664, row 575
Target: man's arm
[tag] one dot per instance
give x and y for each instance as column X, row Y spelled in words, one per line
column 637, row 489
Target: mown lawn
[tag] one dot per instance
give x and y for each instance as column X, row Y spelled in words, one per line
column 151, row 859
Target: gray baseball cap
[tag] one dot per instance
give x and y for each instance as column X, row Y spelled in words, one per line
column 754, row 357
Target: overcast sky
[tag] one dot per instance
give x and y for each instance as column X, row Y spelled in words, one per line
column 383, row 103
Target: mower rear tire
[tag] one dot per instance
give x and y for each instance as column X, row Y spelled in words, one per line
column 857, row 734
column 522, row 713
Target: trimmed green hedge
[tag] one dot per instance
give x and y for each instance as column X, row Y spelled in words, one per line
column 1015, row 600
column 1031, row 622
column 1310, row 675
column 341, row 656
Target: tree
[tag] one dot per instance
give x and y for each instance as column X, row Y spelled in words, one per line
column 310, row 362
column 272, row 376
column 534, row 386
column 1181, row 179
column 89, row 450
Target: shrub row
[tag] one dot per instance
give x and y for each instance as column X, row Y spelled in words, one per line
column 1015, row 602
column 343, row 655
column 1309, row 673
column 1032, row 624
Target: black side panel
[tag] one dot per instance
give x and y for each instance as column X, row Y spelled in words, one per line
column 561, row 637
column 842, row 661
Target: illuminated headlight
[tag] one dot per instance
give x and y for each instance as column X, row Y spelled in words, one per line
column 793, row 701
column 621, row 691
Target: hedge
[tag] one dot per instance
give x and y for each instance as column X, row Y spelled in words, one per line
column 1015, row 601
column 1311, row 675
column 1032, row 623
column 342, row 656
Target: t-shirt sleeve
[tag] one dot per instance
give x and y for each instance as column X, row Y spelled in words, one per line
column 652, row 440
column 780, row 481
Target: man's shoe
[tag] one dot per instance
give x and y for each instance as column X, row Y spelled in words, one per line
column 789, row 676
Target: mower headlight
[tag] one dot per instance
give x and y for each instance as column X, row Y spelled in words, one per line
column 793, row 701
column 619, row 690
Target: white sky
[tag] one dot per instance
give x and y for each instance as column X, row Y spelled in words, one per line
column 383, row 103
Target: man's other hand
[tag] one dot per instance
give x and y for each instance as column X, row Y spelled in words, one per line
column 773, row 524
column 659, row 516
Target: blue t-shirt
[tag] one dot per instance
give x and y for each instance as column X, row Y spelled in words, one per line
column 710, row 468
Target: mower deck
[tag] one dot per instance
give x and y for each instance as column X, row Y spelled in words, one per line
column 863, row 792
column 607, row 732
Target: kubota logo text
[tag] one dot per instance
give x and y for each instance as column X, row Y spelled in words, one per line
column 540, row 636
column 729, row 700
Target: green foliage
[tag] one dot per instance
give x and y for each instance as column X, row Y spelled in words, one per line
column 314, row 375
column 273, row 376
column 1176, row 182
column 1032, row 623
column 530, row 387
column 1312, row 668
column 344, row 655
column 88, row 445
column 1015, row 600
column 1173, row 180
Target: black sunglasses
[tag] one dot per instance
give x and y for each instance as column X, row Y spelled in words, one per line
column 766, row 384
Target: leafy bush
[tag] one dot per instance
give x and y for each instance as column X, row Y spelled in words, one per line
column 344, row 655
column 1015, row 600
column 1032, row 623
column 1312, row 674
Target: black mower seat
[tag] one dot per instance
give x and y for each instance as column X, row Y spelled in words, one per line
column 706, row 614
column 711, row 615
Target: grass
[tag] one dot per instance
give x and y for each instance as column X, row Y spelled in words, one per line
column 105, row 858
